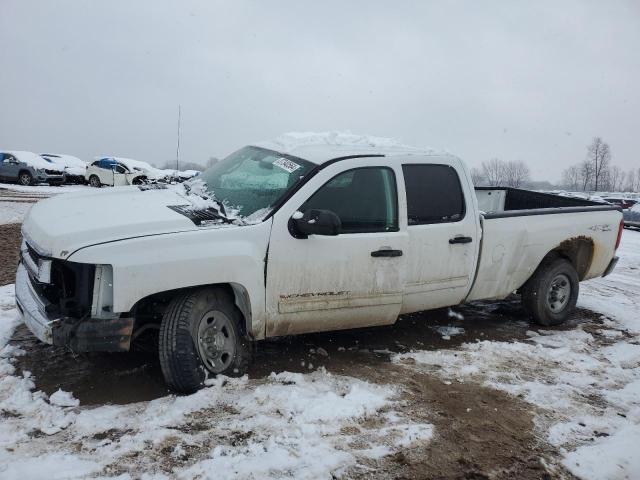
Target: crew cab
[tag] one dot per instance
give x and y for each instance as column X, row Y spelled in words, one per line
column 276, row 240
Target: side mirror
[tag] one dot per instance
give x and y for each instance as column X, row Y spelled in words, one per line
column 314, row 222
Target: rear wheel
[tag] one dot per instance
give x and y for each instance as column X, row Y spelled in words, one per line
column 25, row 178
column 94, row 181
column 201, row 335
column 550, row 295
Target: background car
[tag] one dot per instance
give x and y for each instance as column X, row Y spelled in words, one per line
column 27, row 168
column 625, row 203
column 119, row 171
column 632, row 216
column 74, row 168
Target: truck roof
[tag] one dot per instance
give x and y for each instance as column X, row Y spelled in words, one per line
column 322, row 147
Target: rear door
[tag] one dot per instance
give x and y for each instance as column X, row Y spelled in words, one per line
column 444, row 234
column 351, row 280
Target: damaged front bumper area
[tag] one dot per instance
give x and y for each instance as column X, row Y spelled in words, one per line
column 79, row 334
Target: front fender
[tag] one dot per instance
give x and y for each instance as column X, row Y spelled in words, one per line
column 157, row 263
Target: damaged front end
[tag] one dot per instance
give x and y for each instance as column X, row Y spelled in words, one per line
column 69, row 304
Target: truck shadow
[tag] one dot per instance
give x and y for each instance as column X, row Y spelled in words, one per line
column 99, row 378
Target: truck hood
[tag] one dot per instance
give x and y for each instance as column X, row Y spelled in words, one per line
column 60, row 225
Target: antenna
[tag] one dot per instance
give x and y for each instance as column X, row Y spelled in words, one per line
column 178, row 143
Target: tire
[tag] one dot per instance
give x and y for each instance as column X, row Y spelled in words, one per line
column 201, row 335
column 94, row 181
column 25, row 178
column 550, row 295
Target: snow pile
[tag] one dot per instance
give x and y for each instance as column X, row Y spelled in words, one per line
column 587, row 382
column 292, row 140
column 287, row 425
column 63, row 399
column 448, row 331
column 13, row 212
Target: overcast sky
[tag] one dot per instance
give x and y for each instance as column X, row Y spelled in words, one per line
column 513, row 80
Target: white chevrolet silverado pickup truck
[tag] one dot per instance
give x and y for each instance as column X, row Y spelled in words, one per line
column 274, row 241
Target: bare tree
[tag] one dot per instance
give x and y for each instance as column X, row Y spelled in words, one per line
column 599, row 155
column 516, row 173
column 630, row 184
column 586, row 174
column 571, row 177
column 493, row 172
column 477, row 177
column 616, row 178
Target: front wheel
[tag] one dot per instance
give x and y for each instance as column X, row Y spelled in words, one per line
column 550, row 295
column 25, row 178
column 94, row 181
column 201, row 335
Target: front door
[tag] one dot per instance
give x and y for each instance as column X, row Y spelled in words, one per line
column 354, row 279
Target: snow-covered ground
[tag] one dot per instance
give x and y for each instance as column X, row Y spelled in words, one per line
column 43, row 190
column 13, row 212
column 288, row 425
column 584, row 381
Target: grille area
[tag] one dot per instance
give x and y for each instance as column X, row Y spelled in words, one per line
column 70, row 289
column 52, row 172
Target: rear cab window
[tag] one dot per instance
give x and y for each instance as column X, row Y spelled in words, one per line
column 434, row 194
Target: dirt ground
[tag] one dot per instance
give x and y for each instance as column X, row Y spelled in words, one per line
column 10, row 239
column 481, row 433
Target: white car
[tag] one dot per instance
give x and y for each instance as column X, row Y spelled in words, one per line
column 74, row 168
column 119, row 171
column 279, row 241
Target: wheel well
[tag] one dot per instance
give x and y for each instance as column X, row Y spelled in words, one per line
column 148, row 311
column 139, row 180
column 24, row 170
column 578, row 250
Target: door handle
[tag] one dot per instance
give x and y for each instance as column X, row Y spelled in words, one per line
column 386, row 252
column 460, row 240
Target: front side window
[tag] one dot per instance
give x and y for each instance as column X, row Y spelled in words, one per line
column 365, row 199
column 434, row 194
column 253, row 179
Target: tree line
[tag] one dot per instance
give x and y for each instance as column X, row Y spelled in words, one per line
column 595, row 173
column 501, row 173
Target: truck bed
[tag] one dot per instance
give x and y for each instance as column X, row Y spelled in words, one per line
column 520, row 227
column 501, row 202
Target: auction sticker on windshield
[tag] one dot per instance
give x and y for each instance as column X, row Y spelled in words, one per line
column 286, row 164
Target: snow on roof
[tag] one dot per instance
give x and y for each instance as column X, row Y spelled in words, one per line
column 67, row 160
column 29, row 158
column 320, row 147
column 130, row 163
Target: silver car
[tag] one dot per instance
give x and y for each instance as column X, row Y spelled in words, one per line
column 27, row 168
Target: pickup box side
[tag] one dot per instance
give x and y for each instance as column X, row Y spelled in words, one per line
column 514, row 243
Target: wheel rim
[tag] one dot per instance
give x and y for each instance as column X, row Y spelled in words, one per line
column 559, row 293
column 25, row 179
column 94, row 182
column 216, row 341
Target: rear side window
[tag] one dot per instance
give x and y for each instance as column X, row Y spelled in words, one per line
column 434, row 194
column 365, row 199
